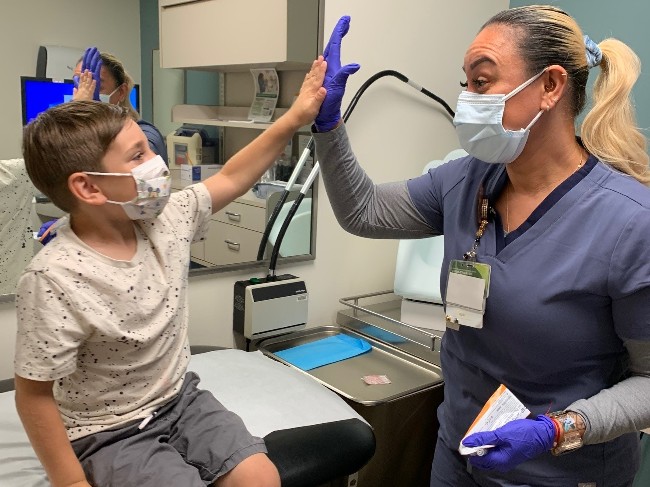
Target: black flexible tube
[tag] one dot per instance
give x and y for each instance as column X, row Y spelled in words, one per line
column 401, row 77
column 270, row 223
column 346, row 116
column 283, row 230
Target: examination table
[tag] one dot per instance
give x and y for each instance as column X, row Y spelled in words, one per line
column 314, row 438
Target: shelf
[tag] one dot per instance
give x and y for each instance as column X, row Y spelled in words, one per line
column 221, row 116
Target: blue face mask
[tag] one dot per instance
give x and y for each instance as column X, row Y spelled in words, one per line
column 479, row 126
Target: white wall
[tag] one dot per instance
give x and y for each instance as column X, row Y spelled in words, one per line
column 27, row 24
column 395, row 131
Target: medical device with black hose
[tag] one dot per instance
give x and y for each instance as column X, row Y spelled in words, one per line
column 274, row 305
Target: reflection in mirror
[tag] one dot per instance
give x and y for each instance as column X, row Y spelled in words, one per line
column 234, row 234
column 17, row 222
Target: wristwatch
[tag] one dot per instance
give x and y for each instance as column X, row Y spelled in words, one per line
column 572, row 427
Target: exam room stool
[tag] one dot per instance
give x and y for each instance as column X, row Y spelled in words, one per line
column 316, row 455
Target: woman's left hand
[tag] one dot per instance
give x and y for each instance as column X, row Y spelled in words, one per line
column 336, row 78
column 514, row 443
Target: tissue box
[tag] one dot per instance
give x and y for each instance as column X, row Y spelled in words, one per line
column 199, row 172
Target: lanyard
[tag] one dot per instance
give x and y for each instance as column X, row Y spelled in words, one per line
column 484, row 208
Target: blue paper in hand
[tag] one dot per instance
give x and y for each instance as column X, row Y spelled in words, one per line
column 324, row 351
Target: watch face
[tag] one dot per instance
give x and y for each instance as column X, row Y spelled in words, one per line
column 567, row 446
column 571, row 439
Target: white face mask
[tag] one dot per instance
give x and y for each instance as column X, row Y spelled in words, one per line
column 107, row 98
column 153, row 183
column 479, row 126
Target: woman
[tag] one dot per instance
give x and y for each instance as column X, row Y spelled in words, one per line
column 101, row 76
column 562, row 225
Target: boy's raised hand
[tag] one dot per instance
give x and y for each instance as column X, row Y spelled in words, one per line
column 85, row 88
column 311, row 95
column 91, row 62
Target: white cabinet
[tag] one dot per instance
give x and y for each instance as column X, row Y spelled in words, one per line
column 243, row 214
column 230, row 244
column 238, row 34
column 234, row 234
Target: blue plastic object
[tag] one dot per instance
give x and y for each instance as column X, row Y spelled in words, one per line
column 324, row 351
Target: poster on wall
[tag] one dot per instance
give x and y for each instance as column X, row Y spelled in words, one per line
column 267, row 90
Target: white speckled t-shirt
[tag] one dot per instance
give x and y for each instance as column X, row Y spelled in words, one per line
column 112, row 334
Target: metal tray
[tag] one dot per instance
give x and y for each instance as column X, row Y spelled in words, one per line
column 408, row 374
column 378, row 315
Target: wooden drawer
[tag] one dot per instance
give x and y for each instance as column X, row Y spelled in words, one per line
column 242, row 215
column 230, row 244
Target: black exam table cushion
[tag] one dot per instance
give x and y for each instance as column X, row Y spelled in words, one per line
column 313, row 455
column 6, row 385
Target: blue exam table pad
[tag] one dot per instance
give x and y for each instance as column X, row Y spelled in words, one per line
column 324, row 351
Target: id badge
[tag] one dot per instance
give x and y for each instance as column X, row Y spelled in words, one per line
column 468, row 286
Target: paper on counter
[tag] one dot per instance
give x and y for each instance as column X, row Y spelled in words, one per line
column 501, row 408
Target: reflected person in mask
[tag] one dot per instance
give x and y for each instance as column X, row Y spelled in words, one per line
column 101, row 76
column 560, row 222
column 101, row 348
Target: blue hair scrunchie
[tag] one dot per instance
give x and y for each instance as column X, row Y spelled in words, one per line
column 594, row 54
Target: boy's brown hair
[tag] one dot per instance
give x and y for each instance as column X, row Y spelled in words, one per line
column 68, row 138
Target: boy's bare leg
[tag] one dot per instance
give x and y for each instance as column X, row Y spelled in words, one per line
column 255, row 471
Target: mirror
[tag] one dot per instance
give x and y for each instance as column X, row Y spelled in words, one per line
column 220, row 252
column 235, row 232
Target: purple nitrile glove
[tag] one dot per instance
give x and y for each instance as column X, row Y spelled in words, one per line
column 335, row 78
column 44, row 231
column 514, row 443
column 92, row 62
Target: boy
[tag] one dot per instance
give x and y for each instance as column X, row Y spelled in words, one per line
column 102, row 350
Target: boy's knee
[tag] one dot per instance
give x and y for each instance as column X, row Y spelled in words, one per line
column 255, row 471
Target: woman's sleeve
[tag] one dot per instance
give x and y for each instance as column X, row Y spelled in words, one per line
column 625, row 407
column 360, row 206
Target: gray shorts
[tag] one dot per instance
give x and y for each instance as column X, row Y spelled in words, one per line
column 192, row 441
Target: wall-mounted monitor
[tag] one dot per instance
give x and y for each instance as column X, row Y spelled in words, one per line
column 134, row 96
column 39, row 94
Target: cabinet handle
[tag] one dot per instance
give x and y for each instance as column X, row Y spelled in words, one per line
column 233, row 216
column 232, row 245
